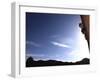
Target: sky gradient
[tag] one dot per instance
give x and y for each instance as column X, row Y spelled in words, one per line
column 54, row 36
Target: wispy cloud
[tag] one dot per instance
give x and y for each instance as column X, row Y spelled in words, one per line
column 34, row 55
column 33, row 43
column 60, row 44
column 54, row 36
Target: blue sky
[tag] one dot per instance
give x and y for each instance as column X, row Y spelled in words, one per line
column 54, row 36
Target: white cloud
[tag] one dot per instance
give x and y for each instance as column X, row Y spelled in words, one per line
column 60, row 44
column 33, row 43
column 79, row 52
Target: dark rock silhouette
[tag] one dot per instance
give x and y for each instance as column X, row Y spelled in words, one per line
column 29, row 62
column 84, row 61
column 32, row 63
